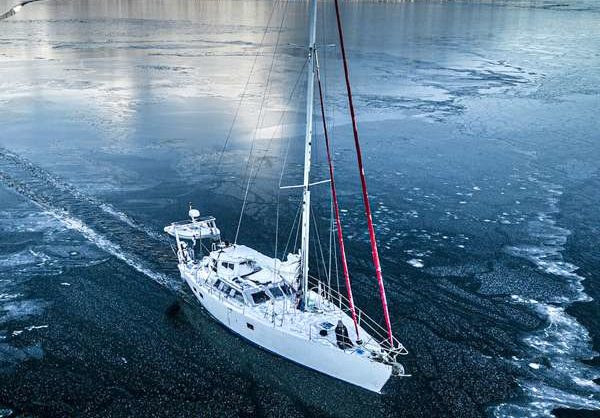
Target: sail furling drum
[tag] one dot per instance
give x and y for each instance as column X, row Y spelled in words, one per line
column 278, row 304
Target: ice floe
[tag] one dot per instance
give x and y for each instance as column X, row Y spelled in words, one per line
column 416, row 262
column 566, row 381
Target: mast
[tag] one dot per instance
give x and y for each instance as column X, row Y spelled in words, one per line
column 310, row 90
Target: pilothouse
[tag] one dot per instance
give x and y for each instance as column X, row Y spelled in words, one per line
column 278, row 304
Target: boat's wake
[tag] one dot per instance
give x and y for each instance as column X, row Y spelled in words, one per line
column 9, row 160
column 113, row 249
column 99, row 223
column 109, row 229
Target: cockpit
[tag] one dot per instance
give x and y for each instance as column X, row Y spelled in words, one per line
column 272, row 292
column 256, row 296
column 244, row 280
column 260, row 297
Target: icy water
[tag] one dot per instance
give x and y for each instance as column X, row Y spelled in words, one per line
column 481, row 135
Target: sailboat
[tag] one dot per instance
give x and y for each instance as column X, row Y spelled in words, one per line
column 278, row 304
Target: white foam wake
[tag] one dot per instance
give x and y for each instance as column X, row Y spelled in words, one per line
column 113, row 249
column 107, row 208
column 70, row 221
column 64, row 186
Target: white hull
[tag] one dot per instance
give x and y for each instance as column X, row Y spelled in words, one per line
column 276, row 304
column 350, row 366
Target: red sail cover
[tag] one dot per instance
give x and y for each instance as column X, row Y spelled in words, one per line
column 363, row 181
column 340, row 235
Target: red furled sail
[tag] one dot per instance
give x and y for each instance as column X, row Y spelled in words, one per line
column 340, row 235
column 374, row 252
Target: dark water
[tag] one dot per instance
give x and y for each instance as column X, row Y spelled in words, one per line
column 480, row 129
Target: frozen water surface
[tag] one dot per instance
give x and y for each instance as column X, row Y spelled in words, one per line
column 480, row 132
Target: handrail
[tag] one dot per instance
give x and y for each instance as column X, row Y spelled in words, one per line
column 373, row 328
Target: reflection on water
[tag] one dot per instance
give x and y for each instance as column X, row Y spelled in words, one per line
column 478, row 122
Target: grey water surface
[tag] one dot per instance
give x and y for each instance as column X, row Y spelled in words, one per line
column 479, row 122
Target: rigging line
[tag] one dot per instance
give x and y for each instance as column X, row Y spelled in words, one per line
column 333, row 244
column 266, row 93
column 297, row 231
column 15, row 9
column 315, row 249
column 331, row 212
column 262, row 159
column 285, row 152
column 258, row 122
column 283, row 165
column 296, row 217
column 319, row 242
column 245, row 89
column 363, row 181
column 331, row 133
column 279, row 124
column 204, row 246
column 329, row 110
column 277, row 223
column 337, row 273
column 336, row 208
column 331, row 220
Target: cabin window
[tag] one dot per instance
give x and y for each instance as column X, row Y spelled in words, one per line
column 236, row 295
column 287, row 289
column 260, row 297
column 250, row 326
column 224, row 288
column 239, row 297
column 227, row 265
column 217, row 283
column 276, row 292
